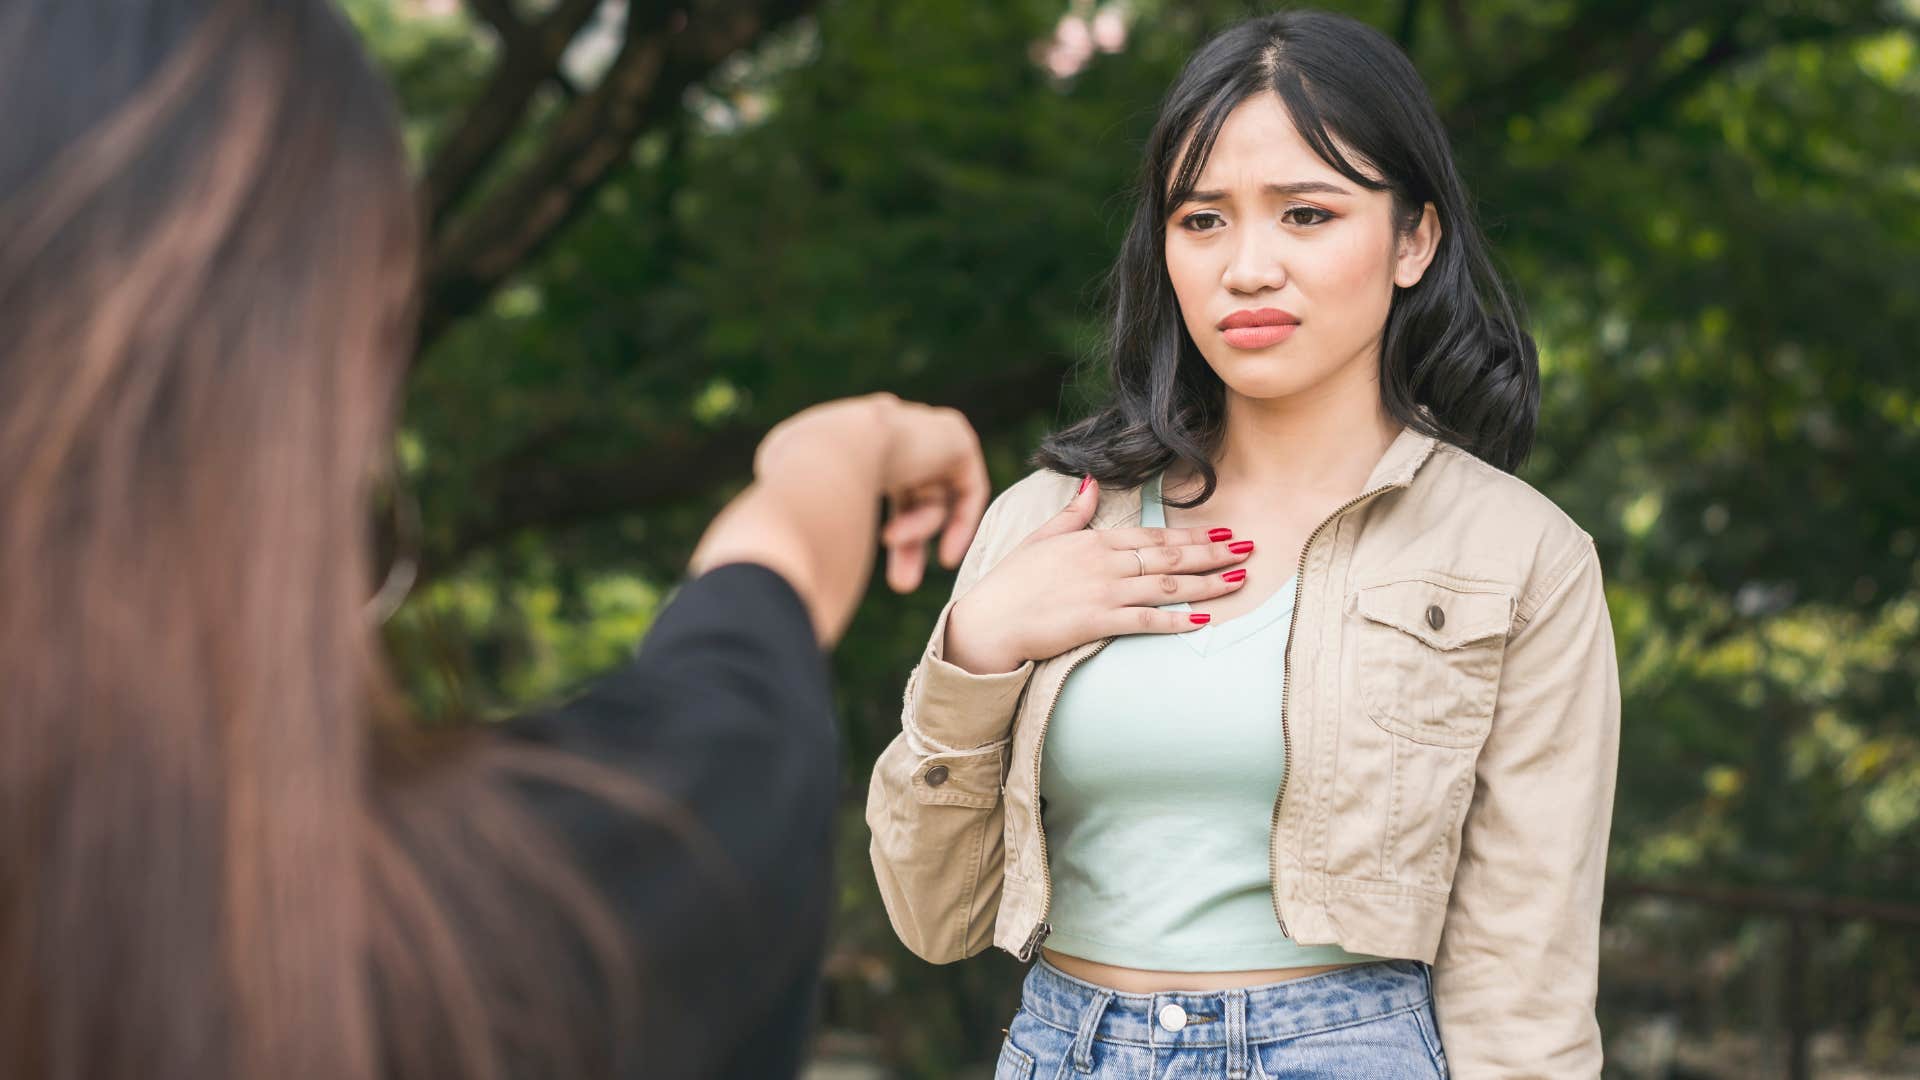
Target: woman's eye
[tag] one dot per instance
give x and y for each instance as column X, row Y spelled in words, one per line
column 1313, row 215
column 1203, row 221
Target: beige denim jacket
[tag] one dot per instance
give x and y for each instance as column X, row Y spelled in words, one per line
column 1451, row 716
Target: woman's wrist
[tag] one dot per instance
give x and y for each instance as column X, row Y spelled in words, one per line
column 818, row 535
column 856, row 434
column 968, row 651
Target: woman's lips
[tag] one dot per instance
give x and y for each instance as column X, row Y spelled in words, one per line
column 1258, row 328
column 1259, row 337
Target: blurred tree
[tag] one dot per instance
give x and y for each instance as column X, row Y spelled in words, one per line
column 650, row 243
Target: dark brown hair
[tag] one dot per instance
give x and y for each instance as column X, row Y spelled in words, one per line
column 212, row 864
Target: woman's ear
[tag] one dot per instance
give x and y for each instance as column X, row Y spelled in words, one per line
column 1416, row 249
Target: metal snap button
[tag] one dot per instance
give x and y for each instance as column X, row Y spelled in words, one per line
column 1172, row 1017
column 936, row 776
column 1435, row 617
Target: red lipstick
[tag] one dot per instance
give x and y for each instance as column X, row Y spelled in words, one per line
column 1258, row 328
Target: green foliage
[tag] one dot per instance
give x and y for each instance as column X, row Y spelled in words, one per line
column 1713, row 211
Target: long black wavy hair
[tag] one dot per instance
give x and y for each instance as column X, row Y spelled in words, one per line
column 1456, row 361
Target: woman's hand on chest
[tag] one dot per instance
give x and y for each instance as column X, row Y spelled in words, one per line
column 1065, row 585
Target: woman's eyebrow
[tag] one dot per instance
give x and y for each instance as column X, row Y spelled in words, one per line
column 1289, row 190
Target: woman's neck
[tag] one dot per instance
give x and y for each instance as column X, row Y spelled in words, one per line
column 1318, row 442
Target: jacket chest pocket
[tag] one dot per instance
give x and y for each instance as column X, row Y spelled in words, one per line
column 1428, row 658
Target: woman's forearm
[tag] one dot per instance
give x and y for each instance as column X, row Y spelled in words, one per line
column 812, row 511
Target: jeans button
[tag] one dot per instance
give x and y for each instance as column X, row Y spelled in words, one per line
column 1172, row 1017
column 936, row 776
column 1435, row 617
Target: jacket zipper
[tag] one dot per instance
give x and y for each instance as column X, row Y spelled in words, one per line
column 1286, row 695
column 1041, row 930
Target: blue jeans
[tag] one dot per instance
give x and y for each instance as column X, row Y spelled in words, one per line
column 1365, row 1022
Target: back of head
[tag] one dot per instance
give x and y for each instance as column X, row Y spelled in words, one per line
column 207, row 246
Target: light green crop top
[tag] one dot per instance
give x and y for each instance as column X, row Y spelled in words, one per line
column 1157, row 782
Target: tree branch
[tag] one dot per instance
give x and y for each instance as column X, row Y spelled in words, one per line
column 1623, row 38
column 655, row 66
column 512, row 31
column 529, row 56
column 500, row 14
column 1632, row 107
column 689, row 464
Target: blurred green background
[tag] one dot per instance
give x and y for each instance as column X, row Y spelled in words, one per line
column 657, row 231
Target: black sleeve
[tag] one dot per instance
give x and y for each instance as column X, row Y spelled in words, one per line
column 727, row 712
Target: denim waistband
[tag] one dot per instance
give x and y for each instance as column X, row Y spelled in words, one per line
column 1231, row 1018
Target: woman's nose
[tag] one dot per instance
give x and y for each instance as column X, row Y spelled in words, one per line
column 1256, row 263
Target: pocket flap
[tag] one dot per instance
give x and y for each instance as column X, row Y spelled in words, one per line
column 1415, row 606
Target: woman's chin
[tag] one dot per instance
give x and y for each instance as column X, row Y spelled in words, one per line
column 1269, row 379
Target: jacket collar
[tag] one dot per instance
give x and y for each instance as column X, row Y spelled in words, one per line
column 1396, row 468
column 1405, row 454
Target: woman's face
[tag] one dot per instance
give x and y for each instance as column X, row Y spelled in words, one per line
column 1284, row 268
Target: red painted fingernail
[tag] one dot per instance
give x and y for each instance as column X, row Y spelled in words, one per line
column 1200, row 617
column 1240, row 547
column 1234, row 575
column 1084, row 481
column 1217, row 535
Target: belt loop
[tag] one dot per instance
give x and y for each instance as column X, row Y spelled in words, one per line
column 1236, row 1035
column 1089, row 1022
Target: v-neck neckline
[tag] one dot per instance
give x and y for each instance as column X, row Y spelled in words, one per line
column 1217, row 636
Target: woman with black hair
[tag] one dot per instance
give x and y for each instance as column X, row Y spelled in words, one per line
column 225, row 850
column 1272, row 714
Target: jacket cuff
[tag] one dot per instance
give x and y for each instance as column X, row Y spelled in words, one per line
column 950, row 708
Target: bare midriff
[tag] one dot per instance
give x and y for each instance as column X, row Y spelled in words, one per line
column 1128, row 980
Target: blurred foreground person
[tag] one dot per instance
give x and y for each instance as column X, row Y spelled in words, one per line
column 223, row 850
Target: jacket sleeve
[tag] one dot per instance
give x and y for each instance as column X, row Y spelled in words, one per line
column 934, row 801
column 1517, row 970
